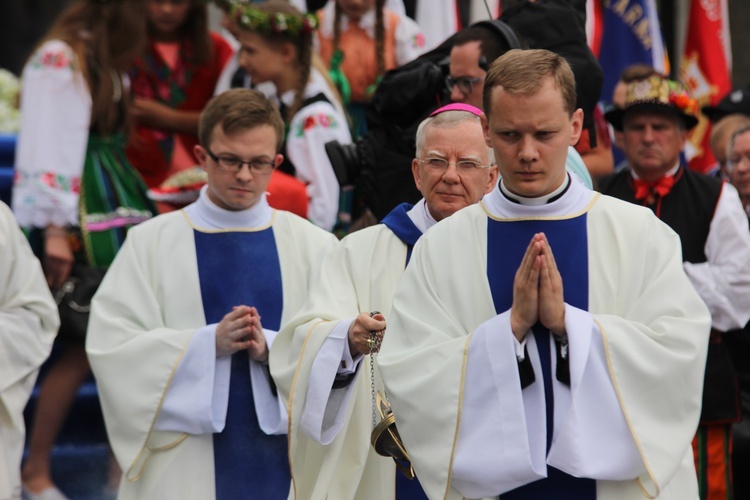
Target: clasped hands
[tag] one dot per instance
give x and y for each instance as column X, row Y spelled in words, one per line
column 240, row 330
column 537, row 291
column 359, row 332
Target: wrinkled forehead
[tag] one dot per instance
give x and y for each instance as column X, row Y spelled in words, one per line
column 462, row 139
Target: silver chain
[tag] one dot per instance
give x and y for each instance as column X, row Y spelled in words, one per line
column 372, row 387
column 374, row 347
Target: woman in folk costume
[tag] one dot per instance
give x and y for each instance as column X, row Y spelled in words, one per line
column 360, row 40
column 277, row 47
column 172, row 82
column 74, row 189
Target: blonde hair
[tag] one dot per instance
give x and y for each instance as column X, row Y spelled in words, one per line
column 523, row 72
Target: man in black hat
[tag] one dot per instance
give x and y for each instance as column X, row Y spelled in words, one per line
column 708, row 216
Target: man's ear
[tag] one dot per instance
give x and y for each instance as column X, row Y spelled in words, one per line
column 415, row 172
column 201, row 155
column 278, row 160
column 577, row 122
column 486, row 129
column 492, row 181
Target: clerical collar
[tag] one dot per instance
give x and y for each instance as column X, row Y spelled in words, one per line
column 421, row 217
column 205, row 214
column 541, row 200
column 570, row 201
column 671, row 172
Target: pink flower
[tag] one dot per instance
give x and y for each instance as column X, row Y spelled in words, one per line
column 48, row 178
column 324, row 120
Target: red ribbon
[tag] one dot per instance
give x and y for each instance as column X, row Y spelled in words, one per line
column 647, row 190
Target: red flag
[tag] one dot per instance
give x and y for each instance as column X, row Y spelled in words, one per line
column 594, row 25
column 705, row 70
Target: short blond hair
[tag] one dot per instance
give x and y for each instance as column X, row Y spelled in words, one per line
column 523, row 72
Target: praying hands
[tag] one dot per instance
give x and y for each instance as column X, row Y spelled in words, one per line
column 239, row 330
column 537, row 291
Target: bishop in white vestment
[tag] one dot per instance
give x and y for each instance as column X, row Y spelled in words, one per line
column 327, row 382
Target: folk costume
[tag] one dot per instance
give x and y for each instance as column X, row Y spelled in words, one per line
column 355, row 57
column 187, row 424
column 328, row 389
column 67, row 173
column 483, row 415
column 29, row 318
column 708, row 216
column 164, row 74
column 319, row 120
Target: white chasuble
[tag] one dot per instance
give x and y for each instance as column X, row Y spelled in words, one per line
column 28, row 325
column 144, row 320
column 330, row 422
column 636, row 352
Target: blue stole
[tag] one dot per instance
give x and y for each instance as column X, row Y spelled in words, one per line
column 506, row 244
column 242, row 268
column 403, row 227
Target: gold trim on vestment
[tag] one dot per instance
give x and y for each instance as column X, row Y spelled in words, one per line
column 458, row 417
column 231, row 229
column 591, row 203
column 291, row 399
column 627, row 419
column 153, row 423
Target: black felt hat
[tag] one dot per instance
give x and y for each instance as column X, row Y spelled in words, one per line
column 737, row 101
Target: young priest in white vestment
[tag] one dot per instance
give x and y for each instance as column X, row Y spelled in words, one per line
column 546, row 343
column 181, row 327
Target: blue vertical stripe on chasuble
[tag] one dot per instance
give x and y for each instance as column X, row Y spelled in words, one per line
column 242, row 268
column 506, row 244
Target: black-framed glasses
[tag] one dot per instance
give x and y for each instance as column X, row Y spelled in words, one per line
column 441, row 164
column 234, row 164
column 465, row 83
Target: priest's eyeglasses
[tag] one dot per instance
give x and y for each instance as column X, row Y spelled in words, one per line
column 465, row 83
column 234, row 164
column 441, row 165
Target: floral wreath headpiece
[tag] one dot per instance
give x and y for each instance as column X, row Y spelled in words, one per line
column 657, row 92
column 253, row 19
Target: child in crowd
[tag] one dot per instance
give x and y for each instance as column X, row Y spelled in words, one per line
column 277, row 46
column 360, row 40
column 74, row 190
column 172, row 82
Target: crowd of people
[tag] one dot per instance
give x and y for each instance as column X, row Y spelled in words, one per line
column 561, row 312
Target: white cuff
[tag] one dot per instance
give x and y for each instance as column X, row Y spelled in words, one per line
column 197, row 398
